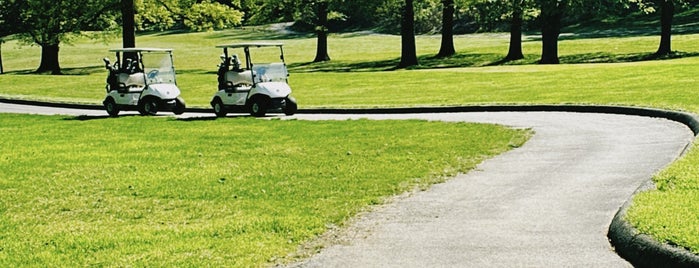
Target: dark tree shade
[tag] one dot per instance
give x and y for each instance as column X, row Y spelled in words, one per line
column 408, row 49
column 447, row 47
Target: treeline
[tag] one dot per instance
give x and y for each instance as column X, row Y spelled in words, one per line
column 49, row 23
column 378, row 15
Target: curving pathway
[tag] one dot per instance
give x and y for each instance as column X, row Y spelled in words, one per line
column 546, row 204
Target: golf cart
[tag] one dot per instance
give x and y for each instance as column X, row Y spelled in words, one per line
column 256, row 88
column 142, row 79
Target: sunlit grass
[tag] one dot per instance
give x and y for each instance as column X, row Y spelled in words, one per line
column 671, row 213
column 356, row 76
column 155, row 192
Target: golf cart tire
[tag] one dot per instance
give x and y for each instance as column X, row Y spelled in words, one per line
column 291, row 107
column 111, row 107
column 148, row 106
column 259, row 105
column 179, row 106
column 219, row 108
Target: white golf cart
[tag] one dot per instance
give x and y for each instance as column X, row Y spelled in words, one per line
column 256, row 88
column 142, row 79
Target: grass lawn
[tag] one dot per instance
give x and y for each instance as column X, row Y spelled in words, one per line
column 234, row 192
column 599, row 70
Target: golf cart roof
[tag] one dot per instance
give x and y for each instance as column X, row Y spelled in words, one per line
column 141, row 50
column 260, row 44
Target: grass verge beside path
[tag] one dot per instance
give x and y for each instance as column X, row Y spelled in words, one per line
column 671, row 213
column 145, row 191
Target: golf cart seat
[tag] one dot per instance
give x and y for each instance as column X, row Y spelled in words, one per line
column 132, row 80
column 238, row 78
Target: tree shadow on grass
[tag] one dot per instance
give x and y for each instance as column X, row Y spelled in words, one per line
column 211, row 118
column 463, row 60
column 632, row 25
column 95, row 117
column 602, row 57
column 87, row 70
column 196, row 71
column 279, row 31
column 258, row 35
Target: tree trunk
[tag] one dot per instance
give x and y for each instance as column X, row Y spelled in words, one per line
column 322, row 33
column 515, row 50
column 49, row 60
column 128, row 30
column 667, row 12
column 2, row 71
column 407, row 32
column 551, row 13
column 447, row 47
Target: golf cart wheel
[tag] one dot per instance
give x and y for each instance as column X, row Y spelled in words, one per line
column 258, row 107
column 149, row 106
column 179, row 106
column 291, row 107
column 219, row 109
column 111, row 107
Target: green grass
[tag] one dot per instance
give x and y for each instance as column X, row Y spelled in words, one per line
column 234, row 192
column 351, row 80
column 671, row 213
column 598, row 69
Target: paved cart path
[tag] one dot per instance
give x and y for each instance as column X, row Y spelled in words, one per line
column 546, row 204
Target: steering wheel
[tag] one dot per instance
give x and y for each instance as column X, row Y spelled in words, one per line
column 152, row 74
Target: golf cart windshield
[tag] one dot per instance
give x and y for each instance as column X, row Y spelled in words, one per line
column 271, row 72
column 158, row 67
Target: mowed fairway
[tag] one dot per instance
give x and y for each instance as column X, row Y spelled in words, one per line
column 139, row 191
column 599, row 70
column 357, row 76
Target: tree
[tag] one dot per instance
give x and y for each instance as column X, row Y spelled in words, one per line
column 1, row 69
column 446, row 48
column 49, row 24
column 427, row 16
column 667, row 13
column 128, row 28
column 316, row 14
column 505, row 15
column 322, row 32
column 408, row 50
column 517, row 19
column 273, row 11
column 207, row 16
column 196, row 15
column 9, row 23
column 551, row 14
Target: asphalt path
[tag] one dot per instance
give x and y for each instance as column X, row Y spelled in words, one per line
column 548, row 203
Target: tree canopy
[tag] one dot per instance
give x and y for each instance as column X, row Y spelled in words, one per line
column 190, row 14
column 49, row 23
